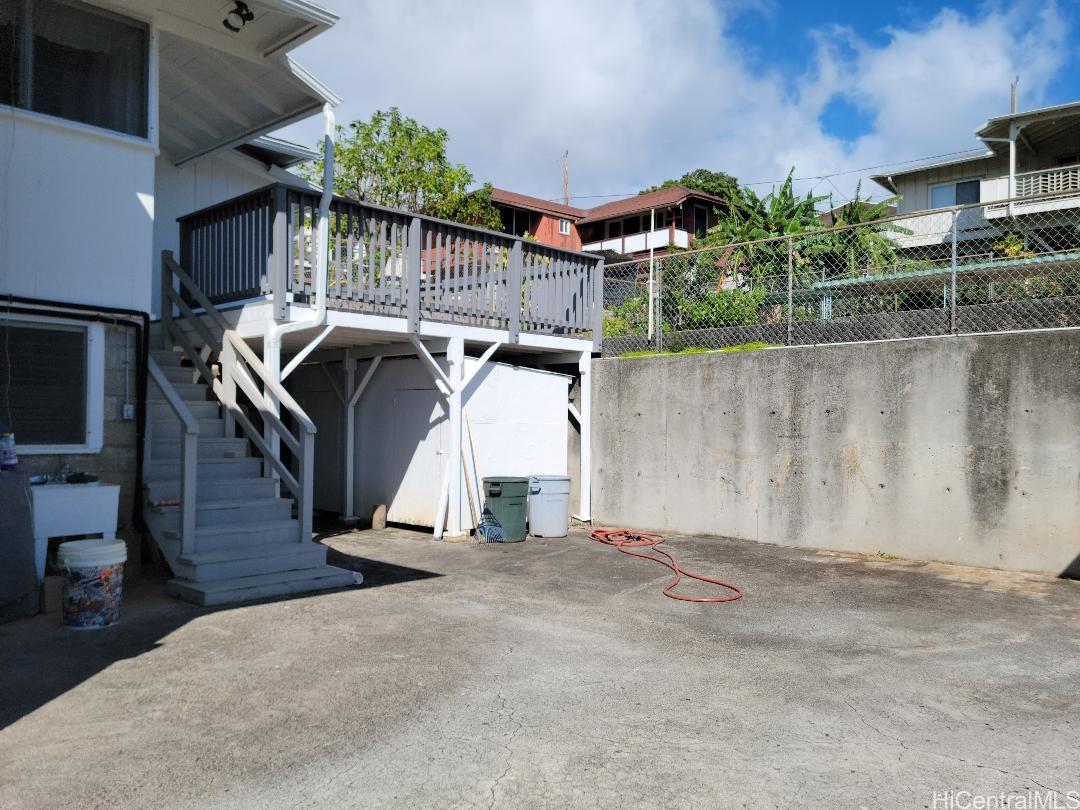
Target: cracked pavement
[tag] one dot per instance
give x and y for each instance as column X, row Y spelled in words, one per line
column 553, row 673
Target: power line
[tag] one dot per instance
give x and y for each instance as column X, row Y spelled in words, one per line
column 817, row 177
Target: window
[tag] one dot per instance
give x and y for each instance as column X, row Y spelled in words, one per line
column 701, row 221
column 945, row 195
column 52, row 384
column 564, row 227
column 507, row 217
column 614, row 228
column 631, row 225
column 75, row 61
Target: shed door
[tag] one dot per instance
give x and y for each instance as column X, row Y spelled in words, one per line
column 418, row 456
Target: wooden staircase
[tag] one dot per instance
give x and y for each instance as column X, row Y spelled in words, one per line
column 242, row 540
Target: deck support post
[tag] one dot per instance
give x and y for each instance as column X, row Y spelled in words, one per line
column 455, row 356
column 585, row 449
column 351, row 398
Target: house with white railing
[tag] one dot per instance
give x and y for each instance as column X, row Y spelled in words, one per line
column 231, row 347
column 1028, row 164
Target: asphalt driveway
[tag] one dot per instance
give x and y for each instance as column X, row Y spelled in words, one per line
column 552, row 673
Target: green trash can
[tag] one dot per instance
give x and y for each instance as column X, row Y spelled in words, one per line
column 506, row 499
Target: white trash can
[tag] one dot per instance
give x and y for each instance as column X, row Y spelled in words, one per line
column 549, row 505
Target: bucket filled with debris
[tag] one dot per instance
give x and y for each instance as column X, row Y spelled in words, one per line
column 93, row 572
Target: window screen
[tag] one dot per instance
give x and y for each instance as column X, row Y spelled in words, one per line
column 75, row 61
column 43, row 383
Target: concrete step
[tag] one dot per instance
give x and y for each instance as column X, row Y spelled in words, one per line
column 253, row 533
column 222, row 489
column 166, row 357
column 263, row 586
column 230, row 512
column 169, row 429
column 188, row 391
column 162, row 411
column 209, row 447
column 179, row 374
column 209, row 468
column 249, row 561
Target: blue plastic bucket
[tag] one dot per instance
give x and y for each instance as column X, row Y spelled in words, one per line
column 93, row 582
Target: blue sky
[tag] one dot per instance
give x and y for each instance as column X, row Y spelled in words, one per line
column 642, row 90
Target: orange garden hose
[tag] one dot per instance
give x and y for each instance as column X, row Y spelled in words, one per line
column 626, row 539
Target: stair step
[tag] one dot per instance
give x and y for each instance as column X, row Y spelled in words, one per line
column 166, row 357
column 249, row 561
column 261, row 586
column 209, row 447
column 161, row 411
column 168, row 429
column 253, row 534
column 209, row 468
column 179, row 374
column 223, row 489
column 230, row 512
column 188, row 391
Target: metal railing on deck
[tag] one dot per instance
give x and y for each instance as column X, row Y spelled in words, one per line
column 388, row 262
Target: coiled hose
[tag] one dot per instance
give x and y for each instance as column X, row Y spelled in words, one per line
column 626, row 539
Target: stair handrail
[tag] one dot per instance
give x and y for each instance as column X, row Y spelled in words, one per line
column 252, row 377
column 189, row 455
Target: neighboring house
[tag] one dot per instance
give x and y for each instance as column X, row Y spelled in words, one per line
column 162, row 274
column 620, row 230
column 829, row 218
column 548, row 222
column 1031, row 158
column 656, row 219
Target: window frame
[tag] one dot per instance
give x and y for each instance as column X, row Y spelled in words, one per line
column 564, row 227
column 95, row 383
column 151, row 138
column 954, row 183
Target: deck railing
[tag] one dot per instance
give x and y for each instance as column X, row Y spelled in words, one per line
column 1059, row 180
column 389, row 262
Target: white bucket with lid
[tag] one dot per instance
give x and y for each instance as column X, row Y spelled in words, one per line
column 93, row 581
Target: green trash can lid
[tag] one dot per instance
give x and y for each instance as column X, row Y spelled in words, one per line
column 505, row 479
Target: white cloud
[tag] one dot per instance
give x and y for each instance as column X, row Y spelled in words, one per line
column 642, row 90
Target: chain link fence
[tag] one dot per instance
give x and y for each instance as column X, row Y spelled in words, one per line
column 989, row 267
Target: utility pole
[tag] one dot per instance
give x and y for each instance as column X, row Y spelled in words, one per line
column 566, row 178
column 1013, row 105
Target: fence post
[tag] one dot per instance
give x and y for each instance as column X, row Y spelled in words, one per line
column 413, row 275
column 952, row 276
column 277, row 262
column 790, row 281
column 513, row 294
column 658, row 303
column 598, row 305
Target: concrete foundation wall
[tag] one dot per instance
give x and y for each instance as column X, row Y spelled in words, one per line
column 962, row 449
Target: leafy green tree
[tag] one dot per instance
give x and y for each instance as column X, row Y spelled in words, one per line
column 719, row 184
column 749, row 217
column 845, row 251
column 395, row 161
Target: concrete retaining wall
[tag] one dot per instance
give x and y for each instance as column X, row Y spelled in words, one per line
column 961, row 449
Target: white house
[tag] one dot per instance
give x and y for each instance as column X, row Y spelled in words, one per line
column 162, row 276
column 1028, row 164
